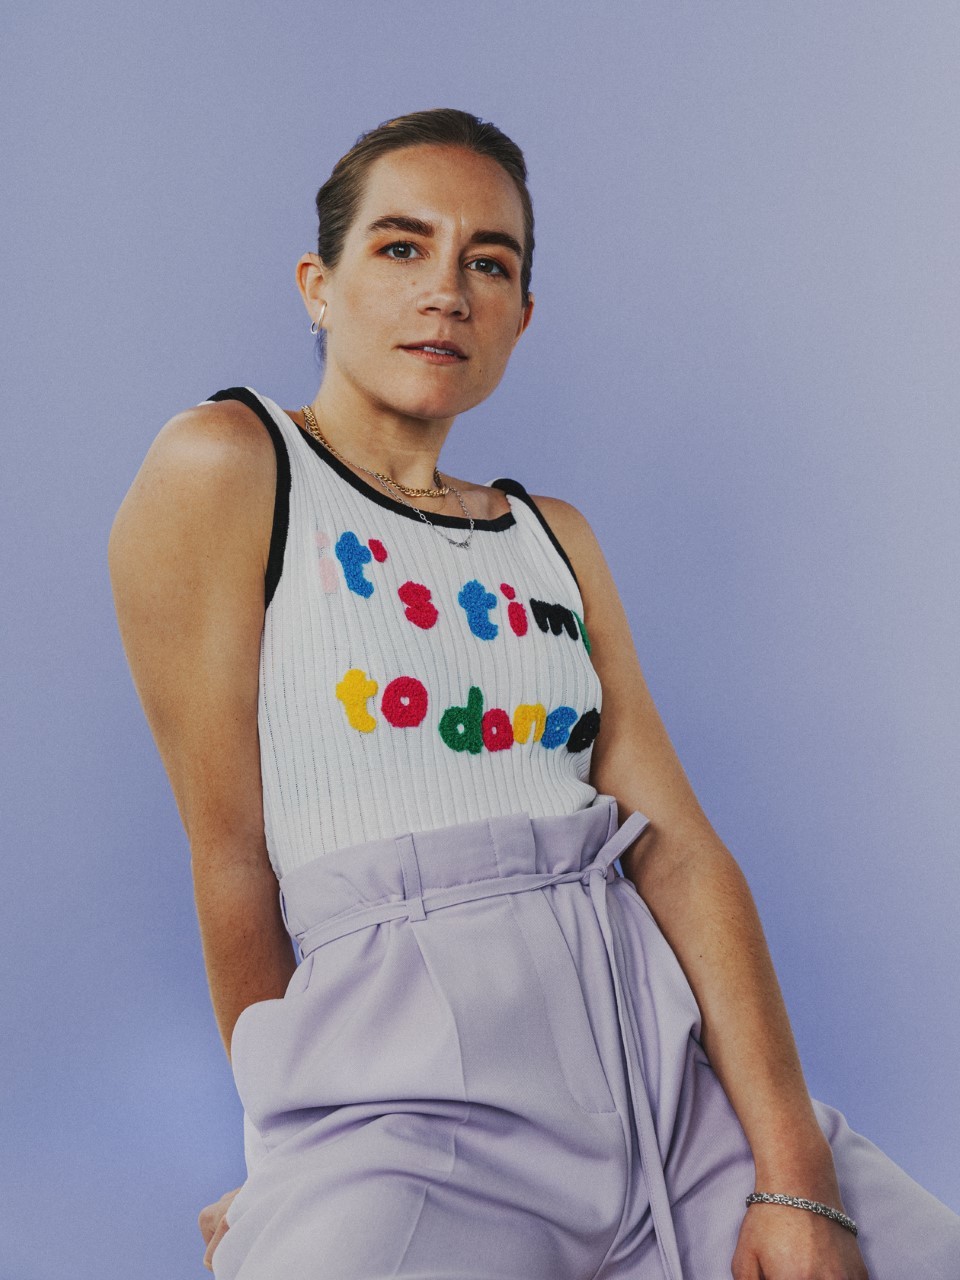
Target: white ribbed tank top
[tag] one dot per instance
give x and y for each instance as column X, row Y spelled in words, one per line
column 407, row 684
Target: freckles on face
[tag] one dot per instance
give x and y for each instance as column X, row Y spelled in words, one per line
column 429, row 274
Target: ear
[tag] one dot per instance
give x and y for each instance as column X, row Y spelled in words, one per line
column 524, row 318
column 311, row 280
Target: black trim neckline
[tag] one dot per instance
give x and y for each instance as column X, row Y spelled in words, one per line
column 281, row 504
column 496, row 525
column 516, row 488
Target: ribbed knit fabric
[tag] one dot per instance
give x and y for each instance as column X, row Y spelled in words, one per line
column 407, row 684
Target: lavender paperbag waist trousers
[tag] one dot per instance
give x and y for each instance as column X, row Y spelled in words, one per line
column 487, row 1067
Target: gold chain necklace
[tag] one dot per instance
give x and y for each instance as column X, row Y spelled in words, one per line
column 387, row 481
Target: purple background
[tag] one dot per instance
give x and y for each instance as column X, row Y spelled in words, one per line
column 743, row 368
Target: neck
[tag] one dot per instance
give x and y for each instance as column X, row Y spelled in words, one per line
column 374, row 435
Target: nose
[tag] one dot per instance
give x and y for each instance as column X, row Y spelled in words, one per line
column 443, row 291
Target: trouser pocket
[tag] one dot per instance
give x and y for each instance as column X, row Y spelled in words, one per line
column 367, row 1026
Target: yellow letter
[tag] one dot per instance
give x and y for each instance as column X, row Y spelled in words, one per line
column 353, row 691
column 527, row 714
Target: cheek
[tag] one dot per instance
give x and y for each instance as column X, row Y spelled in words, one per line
column 368, row 308
column 366, row 325
column 500, row 356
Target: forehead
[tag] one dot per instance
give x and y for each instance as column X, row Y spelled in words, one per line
column 441, row 184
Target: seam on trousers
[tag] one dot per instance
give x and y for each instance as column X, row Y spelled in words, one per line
column 434, row 1182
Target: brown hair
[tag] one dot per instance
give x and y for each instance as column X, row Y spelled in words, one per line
column 339, row 198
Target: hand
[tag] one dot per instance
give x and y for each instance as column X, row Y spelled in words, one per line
column 778, row 1242
column 213, row 1224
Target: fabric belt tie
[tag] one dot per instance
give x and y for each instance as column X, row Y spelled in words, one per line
column 597, row 875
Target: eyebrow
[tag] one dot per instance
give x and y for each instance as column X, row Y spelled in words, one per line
column 417, row 227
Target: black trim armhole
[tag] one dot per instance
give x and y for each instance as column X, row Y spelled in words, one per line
column 518, row 491
column 281, row 505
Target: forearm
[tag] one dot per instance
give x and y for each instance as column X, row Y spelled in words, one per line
column 703, row 905
column 246, row 948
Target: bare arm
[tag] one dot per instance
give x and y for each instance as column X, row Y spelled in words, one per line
column 187, row 555
column 700, row 899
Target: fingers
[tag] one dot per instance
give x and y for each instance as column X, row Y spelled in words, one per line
column 207, row 1221
column 213, row 1224
column 221, row 1231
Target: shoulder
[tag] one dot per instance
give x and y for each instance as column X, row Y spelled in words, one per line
column 561, row 521
column 224, row 434
column 212, row 448
column 210, row 465
column 564, row 517
column 573, row 531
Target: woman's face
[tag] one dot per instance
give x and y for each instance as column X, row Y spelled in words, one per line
column 400, row 285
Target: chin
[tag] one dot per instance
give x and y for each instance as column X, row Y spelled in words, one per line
column 434, row 406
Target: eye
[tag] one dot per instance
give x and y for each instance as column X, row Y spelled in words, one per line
column 492, row 262
column 399, row 244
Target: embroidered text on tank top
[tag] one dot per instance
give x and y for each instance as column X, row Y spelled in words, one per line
column 407, row 684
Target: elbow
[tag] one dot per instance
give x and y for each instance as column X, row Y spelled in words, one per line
column 668, row 855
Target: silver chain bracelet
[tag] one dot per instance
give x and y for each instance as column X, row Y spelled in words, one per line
column 798, row 1202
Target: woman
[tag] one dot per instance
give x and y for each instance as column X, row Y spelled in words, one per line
column 382, row 686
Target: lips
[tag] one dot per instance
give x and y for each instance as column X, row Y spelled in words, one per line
column 439, row 345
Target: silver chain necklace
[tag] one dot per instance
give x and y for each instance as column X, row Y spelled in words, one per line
column 386, row 482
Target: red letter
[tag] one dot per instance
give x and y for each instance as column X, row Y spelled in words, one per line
column 404, row 702
column 497, row 730
column 420, row 610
